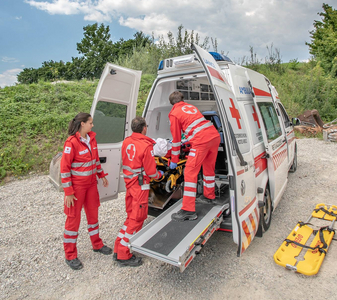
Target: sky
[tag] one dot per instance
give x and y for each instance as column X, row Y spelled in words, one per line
column 34, row 31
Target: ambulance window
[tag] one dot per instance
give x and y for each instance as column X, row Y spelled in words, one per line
column 270, row 120
column 284, row 115
column 109, row 122
column 254, row 123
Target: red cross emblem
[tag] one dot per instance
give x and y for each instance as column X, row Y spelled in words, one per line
column 131, row 151
column 256, row 119
column 189, row 109
column 235, row 113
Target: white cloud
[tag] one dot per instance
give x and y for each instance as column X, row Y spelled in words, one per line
column 9, row 77
column 9, row 59
column 18, row 18
column 237, row 24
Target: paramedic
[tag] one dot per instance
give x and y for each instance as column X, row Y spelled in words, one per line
column 79, row 167
column 139, row 167
column 204, row 140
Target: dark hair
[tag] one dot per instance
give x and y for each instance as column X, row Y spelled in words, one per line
column 176, row 97
column 75, row 124
column 138, row 124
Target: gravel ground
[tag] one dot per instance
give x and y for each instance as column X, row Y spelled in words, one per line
column 32, row 259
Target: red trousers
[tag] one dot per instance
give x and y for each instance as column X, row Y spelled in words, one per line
column 88, row 197
column 202, row 155
column 136, row 206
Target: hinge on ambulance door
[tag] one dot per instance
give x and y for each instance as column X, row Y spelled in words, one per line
column 231, row 182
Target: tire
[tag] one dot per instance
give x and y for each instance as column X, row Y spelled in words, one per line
column 293, row 167
column 168, row 186
column 266, row 210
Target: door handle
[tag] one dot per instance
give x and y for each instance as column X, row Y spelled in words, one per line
column 102, row 160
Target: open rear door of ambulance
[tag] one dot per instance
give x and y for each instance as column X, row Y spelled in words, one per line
column 273, row 133
column 244, row 203
column 113, row 109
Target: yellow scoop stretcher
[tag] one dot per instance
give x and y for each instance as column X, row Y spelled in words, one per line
column 292, row 246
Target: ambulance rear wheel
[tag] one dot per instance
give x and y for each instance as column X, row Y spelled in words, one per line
column 266, row 210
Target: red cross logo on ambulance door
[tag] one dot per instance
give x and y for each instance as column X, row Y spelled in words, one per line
column 256, row 119
column 189, row 109
column 131, row 151
column 235, row 113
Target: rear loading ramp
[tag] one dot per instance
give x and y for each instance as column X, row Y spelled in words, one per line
column 177, row 243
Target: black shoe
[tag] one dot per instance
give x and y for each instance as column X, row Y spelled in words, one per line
column 183, row 215
column 132, row 262
column 114, row 257
column 104, row 250
column 75, row 264
column 206, row 200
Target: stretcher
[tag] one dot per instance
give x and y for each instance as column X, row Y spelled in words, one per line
column 303, row 233
column 171, row 178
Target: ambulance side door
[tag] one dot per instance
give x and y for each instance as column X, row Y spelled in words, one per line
column 290, row 134
column 113, row 108
column 273, row 133
column 244, row 203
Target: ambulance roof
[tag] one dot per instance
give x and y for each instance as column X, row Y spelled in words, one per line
column 188, row 62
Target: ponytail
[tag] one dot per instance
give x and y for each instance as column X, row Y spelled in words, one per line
column 75, row 124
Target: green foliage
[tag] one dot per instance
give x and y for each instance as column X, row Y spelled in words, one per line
column 34, row 120
column 96, row 49
column 323, row 44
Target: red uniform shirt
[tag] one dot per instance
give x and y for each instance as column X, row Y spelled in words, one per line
column 79, row 165
column 137, row 156
column 187, row 118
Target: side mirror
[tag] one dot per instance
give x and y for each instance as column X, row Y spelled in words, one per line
column 296, row 121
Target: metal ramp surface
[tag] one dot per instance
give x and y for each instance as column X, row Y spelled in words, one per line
column 177, row 243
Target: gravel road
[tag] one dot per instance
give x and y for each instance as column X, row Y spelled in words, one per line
column 32, row 259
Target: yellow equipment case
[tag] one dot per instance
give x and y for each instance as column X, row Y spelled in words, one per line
column 288, row 254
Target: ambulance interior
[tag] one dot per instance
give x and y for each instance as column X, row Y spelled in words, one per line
column 197, row 91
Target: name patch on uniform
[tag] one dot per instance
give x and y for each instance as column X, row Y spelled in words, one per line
column 94, row 148
column 67, row 150
column 83, row 152
column 152, row 153
column 192, row 154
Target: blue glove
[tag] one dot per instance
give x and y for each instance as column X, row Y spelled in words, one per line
column 161, row 172
column 173, row 165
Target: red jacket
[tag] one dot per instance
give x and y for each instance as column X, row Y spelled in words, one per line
column 79, row 165
column 137, row 156
column 187, row 118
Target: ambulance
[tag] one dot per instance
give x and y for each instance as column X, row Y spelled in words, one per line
column 257, row 150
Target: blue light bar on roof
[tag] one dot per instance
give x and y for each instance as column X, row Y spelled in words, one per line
column 161, row 65
column 220, row 57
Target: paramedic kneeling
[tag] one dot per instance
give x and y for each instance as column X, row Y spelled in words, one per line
column 139, row 167
column 204, row 140
column 79, row 167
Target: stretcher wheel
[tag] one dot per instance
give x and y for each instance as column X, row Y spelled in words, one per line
column 168, row 186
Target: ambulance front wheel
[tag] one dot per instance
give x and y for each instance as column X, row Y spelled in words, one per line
column 293, row 167
column 266, row 210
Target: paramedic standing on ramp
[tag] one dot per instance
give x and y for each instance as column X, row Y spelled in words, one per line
column 204, row 140
column 79, row 167
column 139, row 167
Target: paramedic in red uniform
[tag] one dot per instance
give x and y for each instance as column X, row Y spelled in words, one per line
column 204, row 140
column 79, row 167
column 139, row 167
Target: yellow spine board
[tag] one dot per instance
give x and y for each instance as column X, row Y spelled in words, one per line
column 286, row 255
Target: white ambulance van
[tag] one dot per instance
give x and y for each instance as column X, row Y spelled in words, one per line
column 256, row 152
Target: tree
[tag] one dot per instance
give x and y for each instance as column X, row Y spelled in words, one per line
column 323, row 44
column 96, row 48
